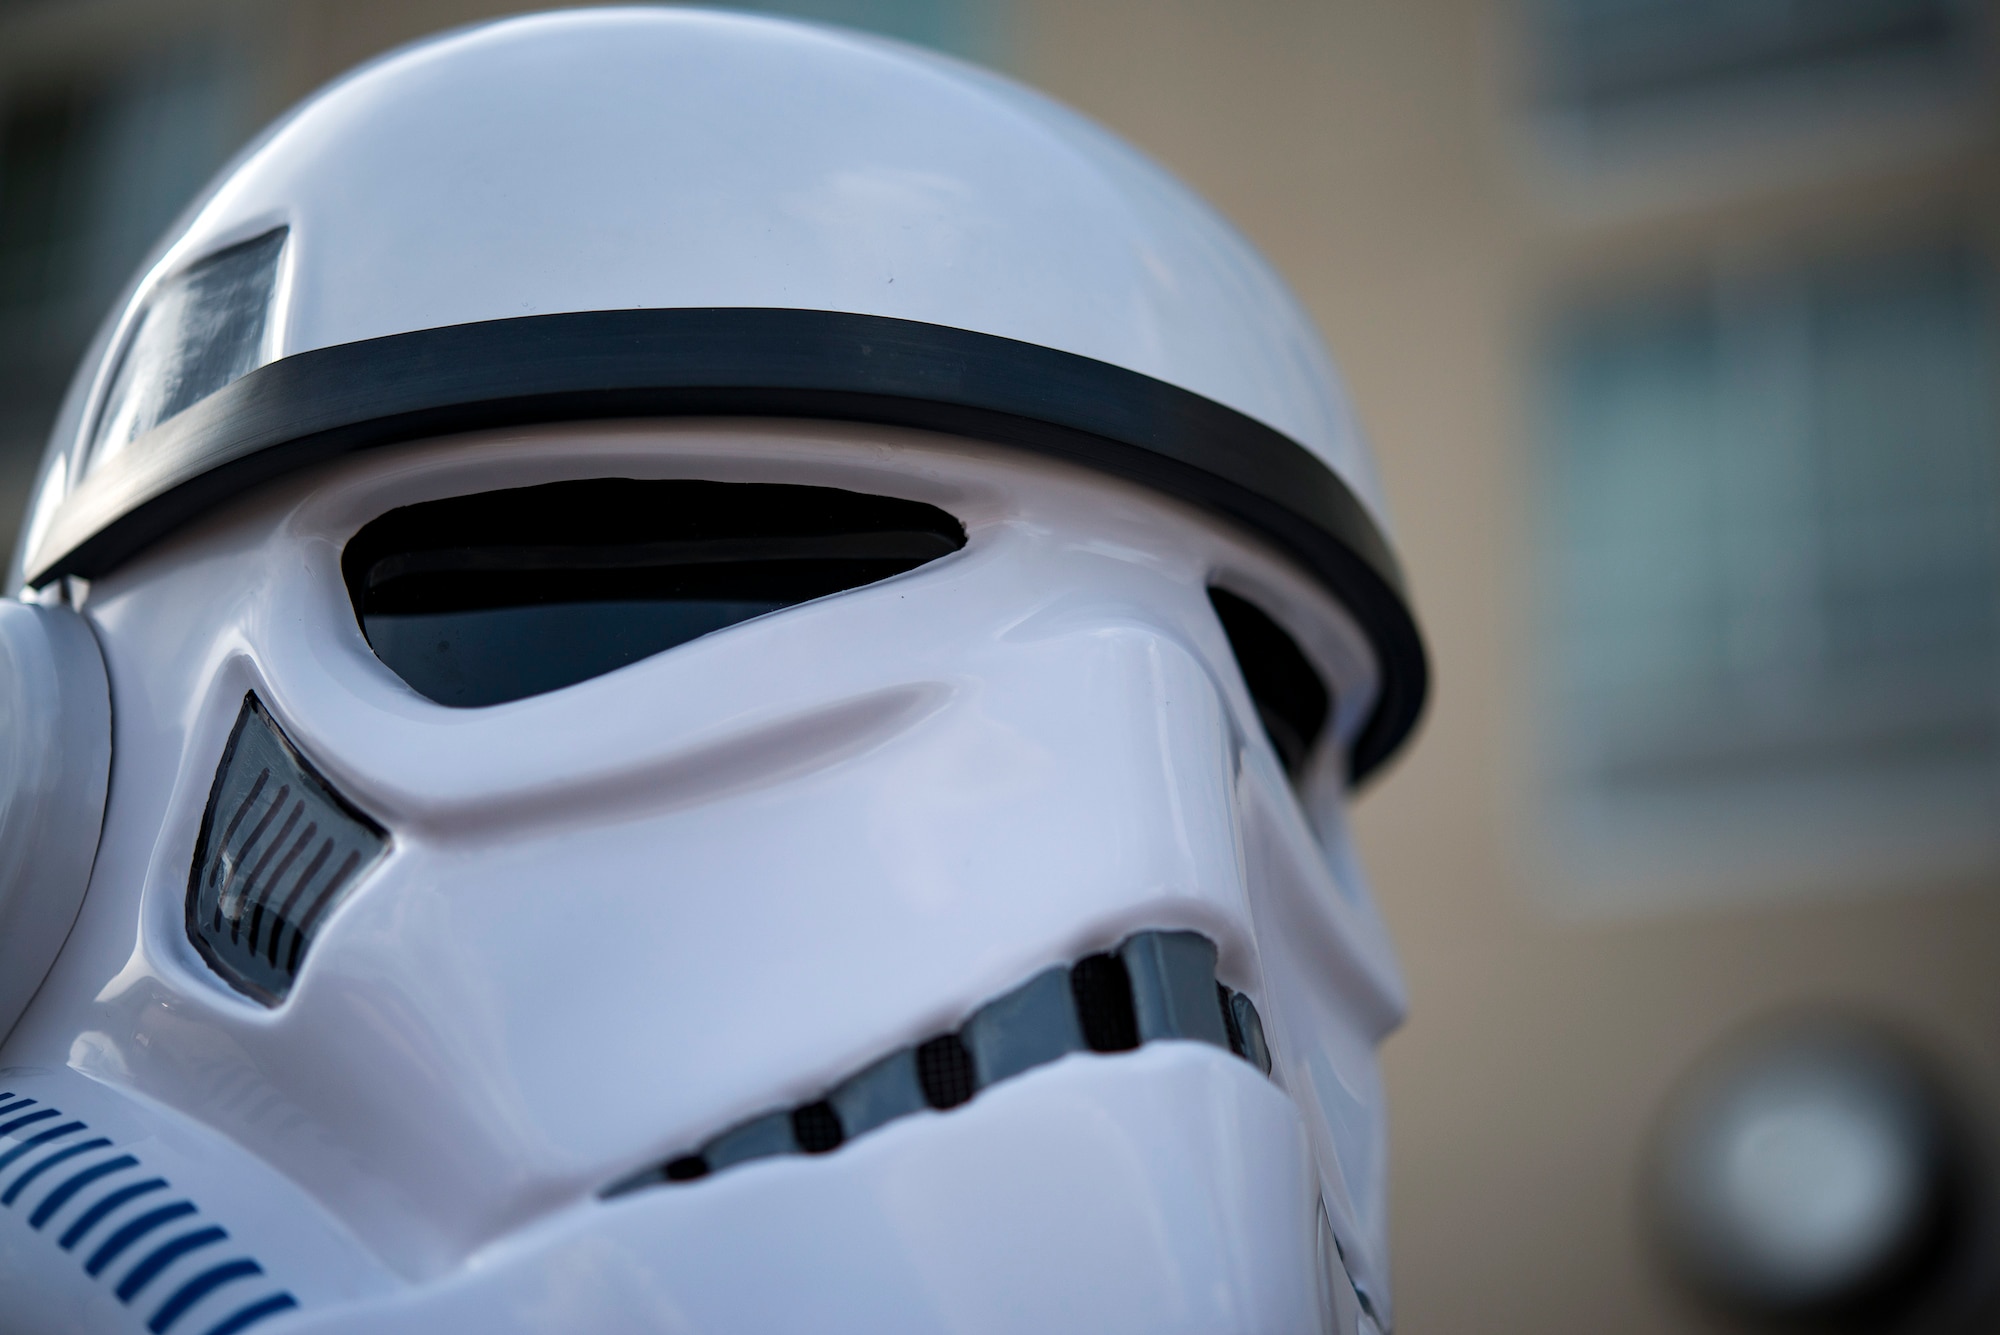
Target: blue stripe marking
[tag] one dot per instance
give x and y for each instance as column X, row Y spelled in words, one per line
column 251, row 1315
column 156, row 1262
column 132, row 1232
column 198, row 1288
column 43, row 1165
column 58, row 1198
column 7, row 1128
column 90, row 1218
column 164, row 1255
column 53, row 1133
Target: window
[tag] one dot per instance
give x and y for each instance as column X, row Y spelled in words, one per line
column 1771, row 573
column 969, row 29
column 1626, row 77
column 1603, row 54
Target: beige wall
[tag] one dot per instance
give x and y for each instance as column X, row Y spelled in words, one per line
column 1370, row 147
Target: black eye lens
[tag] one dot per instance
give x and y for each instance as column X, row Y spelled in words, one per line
column 1291, row 699
column 478, row 600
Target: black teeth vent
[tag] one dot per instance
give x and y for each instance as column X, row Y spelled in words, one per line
column 817, row 1128
column 944, row 1069
column 1156, row 985
column 1104, row 1003
column 278, row 850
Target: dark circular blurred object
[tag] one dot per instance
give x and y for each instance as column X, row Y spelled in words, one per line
column 1812, row 1173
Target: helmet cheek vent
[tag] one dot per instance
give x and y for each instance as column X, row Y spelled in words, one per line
column 479, row 600
column 278, row 850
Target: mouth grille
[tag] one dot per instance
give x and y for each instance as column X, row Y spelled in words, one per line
column 278, row 850
column 1156, row 985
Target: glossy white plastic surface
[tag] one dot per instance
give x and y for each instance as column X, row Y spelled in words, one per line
column 55, row 759
column 715, row 159
column 622, row 916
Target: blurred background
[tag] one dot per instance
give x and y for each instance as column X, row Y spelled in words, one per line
column 1676, row 324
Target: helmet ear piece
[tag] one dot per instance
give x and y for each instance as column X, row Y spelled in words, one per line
column 55, row 770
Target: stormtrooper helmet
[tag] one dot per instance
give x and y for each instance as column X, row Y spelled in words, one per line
column 677, row 672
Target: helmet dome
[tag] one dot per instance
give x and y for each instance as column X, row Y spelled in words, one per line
column 641, row 212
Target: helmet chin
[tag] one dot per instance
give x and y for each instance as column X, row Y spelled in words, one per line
column 1166, row 1189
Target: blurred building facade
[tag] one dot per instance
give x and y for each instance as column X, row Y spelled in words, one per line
column 1676, row 324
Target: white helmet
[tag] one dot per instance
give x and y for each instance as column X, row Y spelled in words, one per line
column 957, row 930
